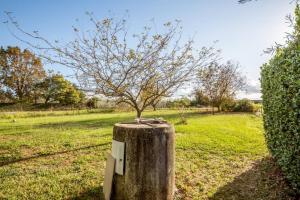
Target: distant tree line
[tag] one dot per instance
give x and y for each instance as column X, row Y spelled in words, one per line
column 201, row 101
column 23, row 79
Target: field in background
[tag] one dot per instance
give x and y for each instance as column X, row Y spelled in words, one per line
column 62, row 155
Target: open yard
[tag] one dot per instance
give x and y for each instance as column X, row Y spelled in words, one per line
column 62, row 156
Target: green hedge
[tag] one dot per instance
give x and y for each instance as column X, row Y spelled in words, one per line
column 280, row 80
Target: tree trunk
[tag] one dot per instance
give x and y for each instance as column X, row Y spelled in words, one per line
column 21, row 98
column 46, row 100
column 149, row 161
column 154, row 107
column 138, row 113
column 35, row 99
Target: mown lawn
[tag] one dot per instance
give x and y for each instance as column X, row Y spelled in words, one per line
column 63, row 156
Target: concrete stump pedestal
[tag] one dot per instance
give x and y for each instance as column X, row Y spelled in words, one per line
column 149, row 161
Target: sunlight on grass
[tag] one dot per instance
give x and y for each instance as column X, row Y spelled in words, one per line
column 63, row 156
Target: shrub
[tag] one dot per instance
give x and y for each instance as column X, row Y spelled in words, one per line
column 179, row 103
column 257, row 107
column 92, row 102
column 243, row 105
column 280, row 80
column 183, row 119
column 228, row 105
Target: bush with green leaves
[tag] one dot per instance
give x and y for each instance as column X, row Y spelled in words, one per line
column 243, row 105
column 257, row 107
column 55, row 88
column 228, row 105
column 179, row 103
column 92, row 102
column 280, row 80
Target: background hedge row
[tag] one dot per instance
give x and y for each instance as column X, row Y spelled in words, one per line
column 280, row 80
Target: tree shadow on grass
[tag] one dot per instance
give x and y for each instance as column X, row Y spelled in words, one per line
column 86, row 124
column 4, row 163
column 90, row 194
column 263, row 181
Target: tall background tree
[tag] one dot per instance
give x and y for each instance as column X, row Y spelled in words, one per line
column 23, row 79
column 153, row 65
column 200, row 98
column 55, row 88
column 19, row 72
column 219, row 82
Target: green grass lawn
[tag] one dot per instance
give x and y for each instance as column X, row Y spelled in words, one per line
column 62, row 156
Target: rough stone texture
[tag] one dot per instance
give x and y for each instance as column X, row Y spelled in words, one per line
column 149, row 161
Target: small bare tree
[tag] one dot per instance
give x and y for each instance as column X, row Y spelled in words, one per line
column 149, row 67
column 220, row 81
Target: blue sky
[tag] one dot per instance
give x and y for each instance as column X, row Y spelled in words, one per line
column 243, row 30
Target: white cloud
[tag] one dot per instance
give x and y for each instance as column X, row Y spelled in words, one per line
column 252, row 91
